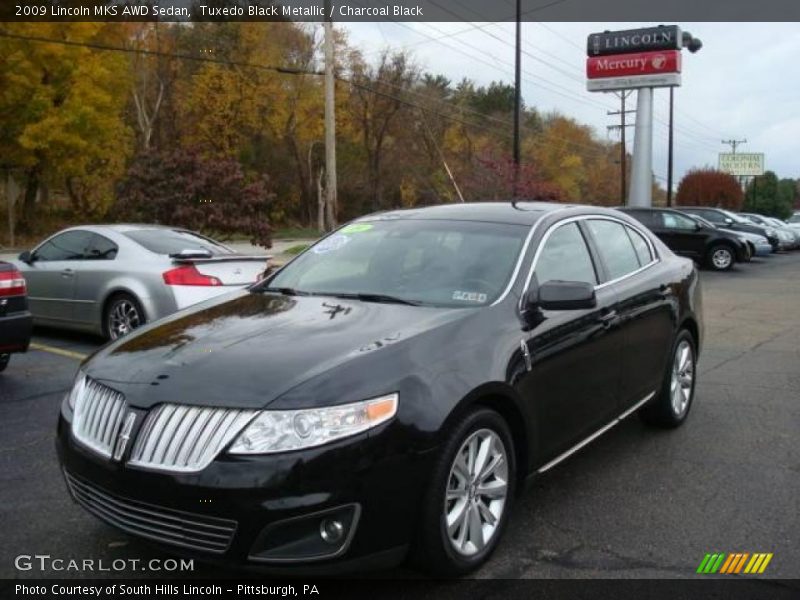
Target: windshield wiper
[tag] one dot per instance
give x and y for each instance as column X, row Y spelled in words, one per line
column 286, row 291
column 366, row 297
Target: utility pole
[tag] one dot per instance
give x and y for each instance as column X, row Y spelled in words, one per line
column 734, row 144
column 671, row 144
column 623, row 158
column 330, row 122
column 517, row 99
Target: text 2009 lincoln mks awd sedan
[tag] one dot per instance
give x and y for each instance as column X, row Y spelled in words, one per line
column 386, row 393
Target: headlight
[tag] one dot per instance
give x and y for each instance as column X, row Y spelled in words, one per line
column 76, row 390
column 285, row 430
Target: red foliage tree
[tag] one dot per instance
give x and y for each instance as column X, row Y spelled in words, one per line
column 499, row 175
column 183, row 189
column 709, row 187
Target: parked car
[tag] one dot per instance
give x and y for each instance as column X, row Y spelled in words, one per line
column 683, row 235
column 15, row 320
column 784, row 226
column 729, row 220
column 789, row 239
column 111, row 279
column 794, row 221
column 759, row 245
column 391, row 388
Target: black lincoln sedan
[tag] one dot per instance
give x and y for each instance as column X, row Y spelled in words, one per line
column 387, row 392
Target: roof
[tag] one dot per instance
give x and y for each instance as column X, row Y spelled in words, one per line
column 123, row 227
column 521, row 213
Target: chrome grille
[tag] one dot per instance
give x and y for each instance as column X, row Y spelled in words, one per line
column 190, row 530
column 175, row 437
column 98, row 414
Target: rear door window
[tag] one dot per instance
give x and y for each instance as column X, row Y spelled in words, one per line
column 615, row 247
column 102, row 248
column 640, row 245
column 565, row 257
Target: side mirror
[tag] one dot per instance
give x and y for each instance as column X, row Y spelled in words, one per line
column 728, row 221
column 26, row 257
column 566, row 295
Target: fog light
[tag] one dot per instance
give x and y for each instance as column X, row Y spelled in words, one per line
column 331, row 530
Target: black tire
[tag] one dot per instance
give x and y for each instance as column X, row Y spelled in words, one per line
column 4, row 358
column 720, row 257
column 131, row 306
column 663, row 410
column 435, row 552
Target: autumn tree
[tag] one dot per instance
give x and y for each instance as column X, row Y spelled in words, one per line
column 184, row 189
column 709, row 187
column 62, row 114
column 376, row 99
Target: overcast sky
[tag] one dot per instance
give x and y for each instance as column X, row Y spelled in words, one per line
column 743, row 83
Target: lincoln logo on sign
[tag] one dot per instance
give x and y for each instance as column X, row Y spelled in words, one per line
column 641, row 63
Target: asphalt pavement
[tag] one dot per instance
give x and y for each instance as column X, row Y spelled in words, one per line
column 636, row 503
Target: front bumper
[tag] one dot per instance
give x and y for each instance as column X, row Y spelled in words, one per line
column 243, row 504
column 15, row 331
column 763, row 249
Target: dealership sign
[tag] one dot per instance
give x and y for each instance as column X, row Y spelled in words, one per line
column 634, row 40
column 747, row 164
column 634, row 58
column 639, row 63
column 608, row 84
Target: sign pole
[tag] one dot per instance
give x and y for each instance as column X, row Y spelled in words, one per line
column 641, row 188
column 671, row 145
column 517, row 98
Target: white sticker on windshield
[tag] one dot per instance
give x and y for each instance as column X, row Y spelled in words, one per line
column 335, row 242
column 469, row 296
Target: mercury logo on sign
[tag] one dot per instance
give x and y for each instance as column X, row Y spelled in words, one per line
column 659, row 61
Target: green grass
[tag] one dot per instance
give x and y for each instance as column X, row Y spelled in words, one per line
column 296, row 249
column 294, row 233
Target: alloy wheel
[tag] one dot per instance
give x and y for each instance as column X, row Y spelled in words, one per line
column 722, row 258
column 123, row 317
column 477, row 489
column 681, row 384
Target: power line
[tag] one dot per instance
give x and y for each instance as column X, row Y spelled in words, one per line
column 174, row 55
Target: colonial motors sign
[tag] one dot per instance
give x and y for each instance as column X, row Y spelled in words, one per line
column 663, row 37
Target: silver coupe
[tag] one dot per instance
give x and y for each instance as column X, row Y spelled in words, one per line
column 111, row 279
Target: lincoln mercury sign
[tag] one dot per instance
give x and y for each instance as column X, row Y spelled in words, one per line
column 747, row 164
column 639, row 63
column 635, row 40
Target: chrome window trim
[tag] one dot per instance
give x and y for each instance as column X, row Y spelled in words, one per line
column 587, row 217
column 512, row 280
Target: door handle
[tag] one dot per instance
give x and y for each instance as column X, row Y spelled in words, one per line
column 608, row 318
column 67, row 273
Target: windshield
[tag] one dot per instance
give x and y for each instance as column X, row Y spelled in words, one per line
column 736, row 218
column 701, row 220
column 173, row 241
column 794, row 218
column 433, row 262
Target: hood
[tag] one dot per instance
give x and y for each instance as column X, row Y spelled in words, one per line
column 246, row 351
